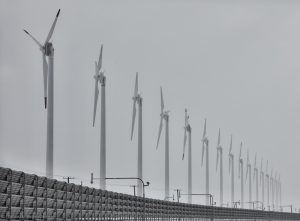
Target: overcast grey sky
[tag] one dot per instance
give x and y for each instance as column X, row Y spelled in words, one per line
column 235, row 63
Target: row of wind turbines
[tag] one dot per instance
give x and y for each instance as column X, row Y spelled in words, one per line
column 266, row 180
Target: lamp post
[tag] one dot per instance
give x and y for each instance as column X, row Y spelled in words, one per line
column 123, row 178
column 178, row 193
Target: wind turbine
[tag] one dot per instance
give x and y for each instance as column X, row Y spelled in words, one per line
column 255, row 177
column 220, row 157
column 205, row 149
column 241, row 175
column 137, row 99
column 47, row 50
column 100, row 77
column 248, row 171
column 268, row 185
column 164, row 115
column 188, row 129
column 231, row 169
column 262, row 183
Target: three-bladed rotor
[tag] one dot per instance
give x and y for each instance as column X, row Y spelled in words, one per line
column 47, row 50
column 187, row 128
column 230, row 154
column 219, row 149
column 248, row 165
column 99, row 77
column 204, row 142
column 240, row 160
column 136, row 99
column 163, row 115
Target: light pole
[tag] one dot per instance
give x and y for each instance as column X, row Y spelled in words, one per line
column 134, row 186
column 178, row 193
column 123, row 178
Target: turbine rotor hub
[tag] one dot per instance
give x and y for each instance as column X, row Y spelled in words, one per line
column 48, row 49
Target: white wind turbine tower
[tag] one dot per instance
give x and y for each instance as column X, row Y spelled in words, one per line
column 205, row 148
column 48, row 74
column 268, row 186
column 137, row 99
column 262, row 183
column 220, row 157
column 272, row 188
column 231, row 169
column 188, row 129
column 279, row 189
column 255, row 177
column 100, row 77
column 164, row 115
column 241, row 175
column 248, row 171
column 276, row 191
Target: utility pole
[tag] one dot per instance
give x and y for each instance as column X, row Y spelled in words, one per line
column 178, row 193
column 133, row 189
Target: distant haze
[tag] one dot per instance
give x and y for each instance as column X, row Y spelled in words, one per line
column 235, row 63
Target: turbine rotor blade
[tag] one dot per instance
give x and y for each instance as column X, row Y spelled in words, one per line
column 161, row 101
column 135, row 93
column 217, row 160
column 219, row 137
column 95, row 100
column 230, row 149
column 203, row 143
column 247, row 157
column 36, row 41
column 52, row 28
column 100, row 59
column 229, row 164
column 133, row 117
column 204, row 130
column 45, row 76
column 184, row 143
column 241, row 150
column 247, row 172
column 159, row 131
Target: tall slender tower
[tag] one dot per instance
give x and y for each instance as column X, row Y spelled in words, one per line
column 248, row 171
column 164, row 115
column 137, row 99
column 100, row 77
column 241, row 175
column 220, row 157
column 188, row 129
column 231, row 171
column 262, row 183
column 205, row 148
column 48, row 73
